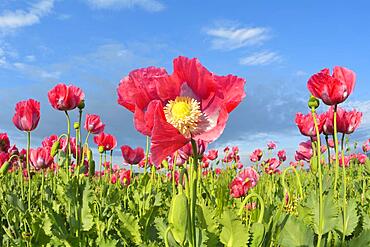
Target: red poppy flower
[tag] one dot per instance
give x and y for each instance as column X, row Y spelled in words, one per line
column 27, row 115
column 304, row 151
column 4, row 142
column 107, row 141
column 40, row 158
column 172, row 109
column 132, row 156
column 348, row 121
column 306, row 124
column 93, row 124
column 244, row 181
column 212, row 154
column 65, row 98
column 332, row 89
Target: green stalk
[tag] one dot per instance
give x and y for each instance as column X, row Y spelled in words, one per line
column 320, row 176
column 193, row 191
column 262, row 205
column 146, row 154
column 28, row 168
column 327, row 145
column 68, row 143
column 336, row 150
column 344, row 192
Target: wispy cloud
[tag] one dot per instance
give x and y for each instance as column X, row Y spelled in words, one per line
column 234, row 37
column 148, row 5
column 260, row 58
column 10, row 20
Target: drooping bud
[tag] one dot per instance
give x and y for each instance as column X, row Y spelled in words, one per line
column 55, row 148
column 76, row 125
column 101, row 149
column 313, row 102
column 81, row 105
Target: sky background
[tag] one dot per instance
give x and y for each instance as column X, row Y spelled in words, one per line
column 275, row 45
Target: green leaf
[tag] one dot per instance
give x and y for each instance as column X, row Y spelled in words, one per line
column 351, row 219
column 330, row 215
column 295, row 233
column 258, row 233
column 130, row 226
column 233, row 233
column 362, row 240
column 86, row 216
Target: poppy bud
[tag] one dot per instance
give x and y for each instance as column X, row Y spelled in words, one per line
column 76, row 125
column 81, row 105
column 54, row 149
column 178, row 216
column 4, row 168
column 313, row 102
column 101, row 149
column 89, row 155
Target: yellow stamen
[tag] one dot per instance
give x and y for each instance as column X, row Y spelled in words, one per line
column 184, row 114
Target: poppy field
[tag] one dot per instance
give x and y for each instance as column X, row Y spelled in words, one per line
column 176, row 191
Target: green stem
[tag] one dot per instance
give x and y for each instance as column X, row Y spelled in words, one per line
column 336, row 150
column 42, row 188
column 28, row 168
column 320, row 176
column 299, row 184
column 193, row 190
column 344, row 191
column 260, row 200
column 146, row 153
column 327, row 145
column 68, row 142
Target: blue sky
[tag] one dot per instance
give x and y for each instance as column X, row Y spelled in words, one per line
column 275, row 45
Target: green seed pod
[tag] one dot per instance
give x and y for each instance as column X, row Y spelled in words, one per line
column 101, row 149
column 76, row 125
column 54, row 148
column 313, row 102
column 313, row 164
column 81, row 105
column 91, row 168
column 178, row 217
column 89, row 155
column 4, row 168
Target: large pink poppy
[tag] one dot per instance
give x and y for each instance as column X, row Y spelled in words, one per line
column 192, row 103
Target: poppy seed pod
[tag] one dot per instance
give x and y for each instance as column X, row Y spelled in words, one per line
column 101, row 149
column 81, row 105
column 76, row 125
column 313, row 102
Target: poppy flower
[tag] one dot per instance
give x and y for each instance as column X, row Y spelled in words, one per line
column 256, row 155
column 132, row 156
column 4, row 142
column 282, row 155
column 328, row 122
column 125, row 177
column 304, row 151
column 93, row 124
column 27, row 115
column 306, row 124
column 271, row 145
column 212, row 154
column 65, row 98
column 40, row 158
column 348, row 121
column 192, row 103
column 332, row 89
column 187, row 151
column 107, row 141
column 244, row 181
column 272, row 166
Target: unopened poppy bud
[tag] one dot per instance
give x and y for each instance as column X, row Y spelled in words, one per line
column 178, row 216
column 91, row 168
column 54, row 148
column 76, row 125
column 165, row 164
column 81, row 105
column 89, row 155
column 313, row 102
column 4, row 168
column 101, row 149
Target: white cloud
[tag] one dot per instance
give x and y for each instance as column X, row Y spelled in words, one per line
column 260, row 58
column 37, row 72
column 10, row 20
column 148, row 5
column 232, row 37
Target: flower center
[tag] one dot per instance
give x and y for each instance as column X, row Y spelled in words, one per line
column 184, row 114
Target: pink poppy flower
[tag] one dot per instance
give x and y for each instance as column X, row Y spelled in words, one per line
column 256, row 155
column 172, row 109
column 244, row 181
column 282, row 155
column 65, row 98
column 93, row 124
column 40, row 158
column 271, row 145
column 27, row 115
column 132, row 156
column 304, row 151
column 107, row 141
